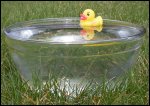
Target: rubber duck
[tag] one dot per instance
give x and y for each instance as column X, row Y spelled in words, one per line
column 88, row 19
column 89, row 32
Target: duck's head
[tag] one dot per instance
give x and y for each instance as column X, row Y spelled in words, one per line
column 88, row 14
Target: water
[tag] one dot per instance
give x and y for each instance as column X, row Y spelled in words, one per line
column 69, row 56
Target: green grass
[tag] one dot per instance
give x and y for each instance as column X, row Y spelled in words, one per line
column 132, row 89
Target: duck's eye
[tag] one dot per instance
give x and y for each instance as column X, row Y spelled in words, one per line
column 88, row 14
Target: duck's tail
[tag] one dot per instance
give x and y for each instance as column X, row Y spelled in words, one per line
column 100, row 20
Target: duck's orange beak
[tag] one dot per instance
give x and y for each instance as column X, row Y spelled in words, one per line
column 83, row 17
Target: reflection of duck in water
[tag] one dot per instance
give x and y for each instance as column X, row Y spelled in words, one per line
column 88, row 32
column 89, row 23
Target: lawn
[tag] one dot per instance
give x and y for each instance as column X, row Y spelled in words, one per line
column 132, row 89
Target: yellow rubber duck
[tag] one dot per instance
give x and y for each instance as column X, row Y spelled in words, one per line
column 87, row 19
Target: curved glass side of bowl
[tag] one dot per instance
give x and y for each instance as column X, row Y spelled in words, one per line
column 60, row 47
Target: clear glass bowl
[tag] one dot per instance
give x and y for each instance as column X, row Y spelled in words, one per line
column 57, row 46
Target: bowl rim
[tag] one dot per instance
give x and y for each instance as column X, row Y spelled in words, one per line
column 142, row 30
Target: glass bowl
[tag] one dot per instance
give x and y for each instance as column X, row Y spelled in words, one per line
column 60, row 47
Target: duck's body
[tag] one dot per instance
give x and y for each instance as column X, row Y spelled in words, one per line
column 93, row 22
